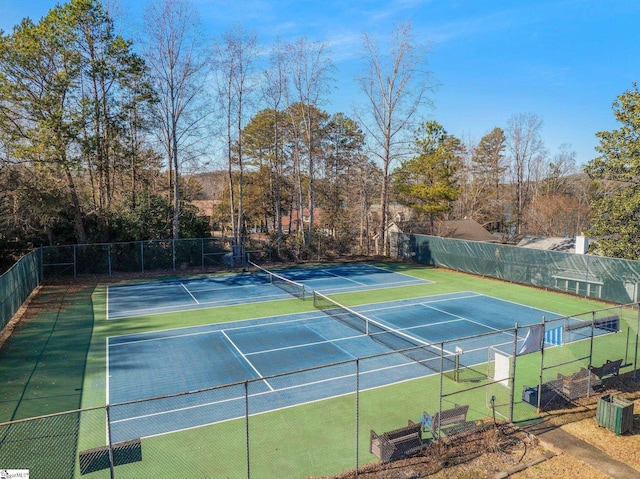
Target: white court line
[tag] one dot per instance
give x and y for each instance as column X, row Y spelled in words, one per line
column 288, row 388
column 316, row 316
column 464, row 318
column 189, row 293
column 373, row 307
column 314, row 343
column 133, row 313
column 246, row 359
column 371, row 287
column 338, row 276
column 425, row 281
column 439, row 323
column 280, row 408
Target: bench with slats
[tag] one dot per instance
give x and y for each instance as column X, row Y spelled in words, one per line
column 403, row 442
column 610, row 368
column 451, row 421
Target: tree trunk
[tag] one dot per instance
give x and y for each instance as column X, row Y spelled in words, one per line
column 77, row 211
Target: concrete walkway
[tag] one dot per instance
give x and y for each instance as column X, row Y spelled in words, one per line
column 583, row 451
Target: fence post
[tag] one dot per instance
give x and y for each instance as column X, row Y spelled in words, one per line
column 41, row 251
column 544, row 330
column 513, row 378
column 142, row 255
column 75, row 262
column 437, row 431
column 635, row 358
column 109, row 443
column 593, row 328
column 173, row 254
column 246, row 416
column 357, row 415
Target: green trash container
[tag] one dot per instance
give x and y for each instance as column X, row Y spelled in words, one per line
column 615, row 413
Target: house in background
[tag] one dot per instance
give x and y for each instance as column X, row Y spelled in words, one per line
column 566, row 245
column 466, row 229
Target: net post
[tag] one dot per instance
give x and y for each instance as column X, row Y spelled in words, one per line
column 292, row 287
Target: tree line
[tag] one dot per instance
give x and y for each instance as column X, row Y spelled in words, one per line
column 104, row 139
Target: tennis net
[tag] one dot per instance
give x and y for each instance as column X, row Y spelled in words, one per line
column 432, row 357
column 291, row 287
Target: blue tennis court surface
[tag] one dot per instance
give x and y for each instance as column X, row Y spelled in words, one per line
column 189, row 359
column 169, row 296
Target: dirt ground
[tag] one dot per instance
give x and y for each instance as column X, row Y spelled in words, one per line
column 476, row 455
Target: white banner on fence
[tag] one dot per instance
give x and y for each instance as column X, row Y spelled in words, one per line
column 502, row 368
column 533, row 340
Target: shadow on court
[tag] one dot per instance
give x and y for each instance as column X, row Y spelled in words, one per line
column 43, row 362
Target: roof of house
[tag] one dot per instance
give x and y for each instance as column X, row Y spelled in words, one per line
column 566, row 245
column 466, row 229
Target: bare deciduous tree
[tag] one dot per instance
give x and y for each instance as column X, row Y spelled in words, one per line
column 236, row 56
column 274, row 92
column 527, row 152
column 310, row 74
column 396, row 85
column 178, row 64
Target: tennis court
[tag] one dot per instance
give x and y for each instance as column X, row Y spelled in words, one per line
column 167, row 375
column 187, row 359
column 141, row 299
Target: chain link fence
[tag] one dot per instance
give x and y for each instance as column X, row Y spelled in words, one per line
column 283, row 425
column 611, row 279
column 110, row 259
column 17, row 284
column 140, row 257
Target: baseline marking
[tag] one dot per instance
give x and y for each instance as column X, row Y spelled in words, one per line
column 288, row 388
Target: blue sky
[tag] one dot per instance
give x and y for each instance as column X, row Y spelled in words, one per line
column 563, row 60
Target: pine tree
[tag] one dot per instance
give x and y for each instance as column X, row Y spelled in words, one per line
column 615, row 209
column 489, row 167
column 428, row 182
